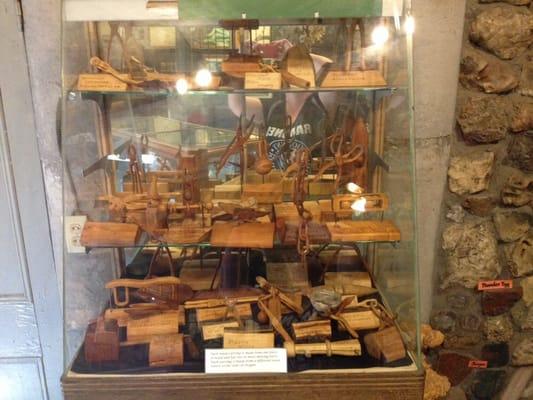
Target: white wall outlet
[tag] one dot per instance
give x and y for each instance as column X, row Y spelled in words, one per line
column 73, row 228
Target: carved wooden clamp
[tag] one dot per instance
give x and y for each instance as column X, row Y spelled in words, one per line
column 341, row 157
column 270, row 306
column 167, row 288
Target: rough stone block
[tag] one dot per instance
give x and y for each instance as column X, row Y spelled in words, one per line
column 522, row 119
column 486, row 73
column 523, row 353
column 480, row 205
column 520, row 152
column 471, row 254
column 498, row 329
column 484, row 119
column 470, row 173
column 503, row 30
column 511, row 226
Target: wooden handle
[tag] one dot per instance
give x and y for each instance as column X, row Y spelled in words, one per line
column 208, row 303
column 263, row 165
column 105, row 67
column 138, row 284
column 349, row 348
column 292, row 79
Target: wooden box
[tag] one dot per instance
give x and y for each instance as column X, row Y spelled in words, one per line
column 102, row 341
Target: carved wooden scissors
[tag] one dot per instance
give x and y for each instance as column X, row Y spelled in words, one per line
column 238, row 142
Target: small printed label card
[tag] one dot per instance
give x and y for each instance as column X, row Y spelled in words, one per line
column 495, row 285
column 478, row 364
column 245, row 361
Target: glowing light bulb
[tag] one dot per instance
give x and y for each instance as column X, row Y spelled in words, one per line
column 409, row 25
column 359, row 205
column 182, row 86
column 203, row 77
column 354, row 188
column 380, row 35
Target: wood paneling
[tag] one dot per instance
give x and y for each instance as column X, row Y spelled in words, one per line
column 310, row 386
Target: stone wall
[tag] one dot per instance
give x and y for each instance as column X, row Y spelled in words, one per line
column 486, row 230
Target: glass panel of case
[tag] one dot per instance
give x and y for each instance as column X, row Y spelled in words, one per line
column 239, row 183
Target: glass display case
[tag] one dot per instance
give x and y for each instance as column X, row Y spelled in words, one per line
column 239, row 199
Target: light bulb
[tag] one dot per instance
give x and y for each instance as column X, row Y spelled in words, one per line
column 203, row 77
column 182, row 86
column 380, row 35
column 354, row 188
column 359, row 205
column 409, row 25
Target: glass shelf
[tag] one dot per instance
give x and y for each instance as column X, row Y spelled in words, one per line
column 207, row 245
column 224, row 91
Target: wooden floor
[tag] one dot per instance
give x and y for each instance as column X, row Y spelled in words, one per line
column 404, row 385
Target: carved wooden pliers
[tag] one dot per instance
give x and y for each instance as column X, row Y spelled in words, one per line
column 238, row 142
column 340, row 158
column 135, row 170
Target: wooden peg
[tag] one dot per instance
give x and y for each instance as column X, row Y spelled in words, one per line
column 348, row 348
column 102, row 341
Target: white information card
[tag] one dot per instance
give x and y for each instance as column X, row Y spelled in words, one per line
column 239, row 361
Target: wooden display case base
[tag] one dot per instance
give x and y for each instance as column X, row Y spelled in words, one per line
column 401, row 385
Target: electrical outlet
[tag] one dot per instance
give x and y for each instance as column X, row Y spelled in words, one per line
column 73, row 228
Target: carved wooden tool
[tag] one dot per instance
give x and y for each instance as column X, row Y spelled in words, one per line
column 151, row 78
column 238, row 142
column 102, row 341
column 169, row 281
column 342, row 157
column 263, row 165
column 274, row 291
column 386, row 344
column 320, row 328
column 233, row 310
column 220, row 297
column 298, row 63
column 141, row 330
column 142, row 310
column 270, row 306
column 168, row 295
column 105, row 67
column 361, row 320
column 348, row 348
column 359, row 168
column 375, row 202
column 135, row 170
